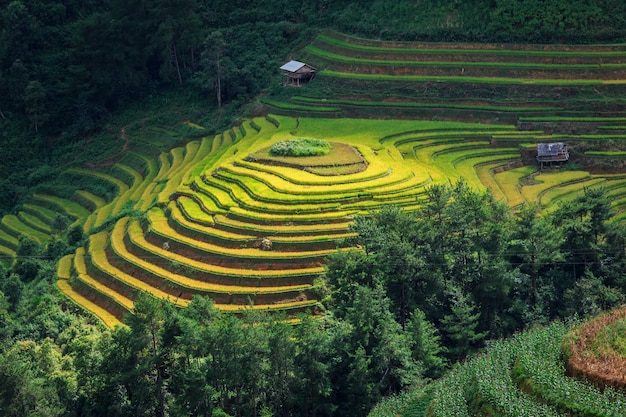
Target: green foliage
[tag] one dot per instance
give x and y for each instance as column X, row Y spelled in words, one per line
column 300, row 147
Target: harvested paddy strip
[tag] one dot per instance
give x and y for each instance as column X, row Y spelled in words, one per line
column 263, row 192
column 14, row 227
column 289, row 229
column 108, row 319
column 213, row 273
column 162, row 231
column 242, row 199
column 97, row 294
column 100, row 264
column 241, row 237
column 378, row 166
column 185, row 287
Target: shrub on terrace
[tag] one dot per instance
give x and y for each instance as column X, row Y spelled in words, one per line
column 300, row 147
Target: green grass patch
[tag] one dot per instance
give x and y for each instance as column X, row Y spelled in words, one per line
column 45, row 214
column 7, row 256
column 291, row 106
column 572, row 119
column 436, row 48
column 607, row 154
column 417, row 105
column 14, row 226
column 459, row 79
column 547, row 180
column 456, row 63
column 34, row 222
column 300, row 147
column 88, row 200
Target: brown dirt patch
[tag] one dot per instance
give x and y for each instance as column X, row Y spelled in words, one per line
column 602, row 368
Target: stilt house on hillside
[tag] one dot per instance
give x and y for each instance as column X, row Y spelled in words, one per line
column 298, row 73
column 552, row 152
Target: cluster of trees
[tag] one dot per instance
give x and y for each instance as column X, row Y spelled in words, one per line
column 425, row 290
column 200, row 362
column 519, row 21
column 476, row 272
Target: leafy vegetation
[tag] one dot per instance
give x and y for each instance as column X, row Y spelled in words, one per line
column 300, row 147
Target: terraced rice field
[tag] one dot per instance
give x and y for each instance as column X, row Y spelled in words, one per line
column 217, row 217
column 470, row 82
column 214, row 220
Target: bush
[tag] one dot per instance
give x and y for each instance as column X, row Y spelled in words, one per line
column 300, row 147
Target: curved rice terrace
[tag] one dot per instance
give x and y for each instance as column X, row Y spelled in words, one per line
column 533, row 374
column 223, row 220
column 216, row 216
column 469, row 82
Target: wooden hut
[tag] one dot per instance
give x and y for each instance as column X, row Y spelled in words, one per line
column 552, row 152
column 297, row 72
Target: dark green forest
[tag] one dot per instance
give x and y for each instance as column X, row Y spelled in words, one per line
column 426, row 290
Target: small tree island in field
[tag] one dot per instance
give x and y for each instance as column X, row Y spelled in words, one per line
column 300, row 147
column 316, row 156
